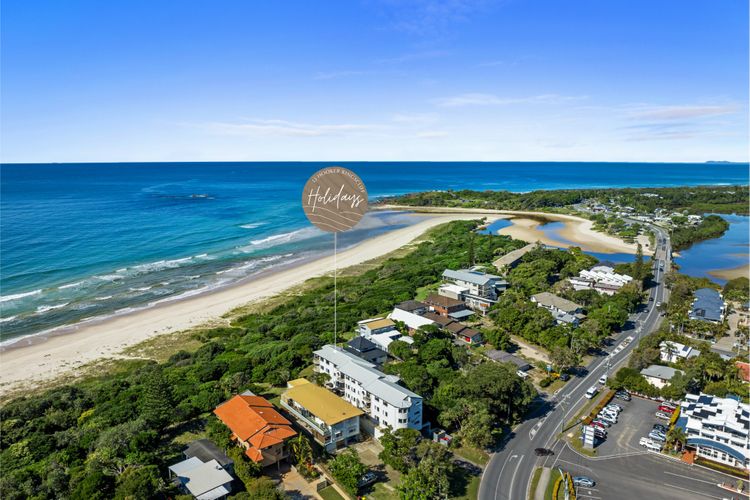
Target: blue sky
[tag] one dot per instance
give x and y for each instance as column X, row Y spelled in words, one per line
column 530, row 80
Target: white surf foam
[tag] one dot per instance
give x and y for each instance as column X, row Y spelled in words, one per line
column 70, row 285
column 44, row 309
column 16, row 296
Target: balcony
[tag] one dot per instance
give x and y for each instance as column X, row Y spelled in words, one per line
column 323, row 434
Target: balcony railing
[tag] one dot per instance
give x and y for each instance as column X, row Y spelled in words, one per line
column 326, row 433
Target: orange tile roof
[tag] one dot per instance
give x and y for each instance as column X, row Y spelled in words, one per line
column 255, row 421
column 254, row 455
column 744, row 370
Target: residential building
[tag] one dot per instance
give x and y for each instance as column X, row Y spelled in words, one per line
column 453, row 291
column 446, row 306
column 205, row 450
column 257, row 427
column 671, row 351
column 658, row 375
column 464, row 333
column 708, row 305
column 413, row 306
column 204, row 480
column 562, row 309
column 506, row 357
column 717, row 428
column 332, row 422
column 744, row 369
column 373, row 326
column 412, row 321
column 440, row 321
column 601, row 278
column 367, row 350
column 384, row 340
column 480, row 284
column 512, row 258
column 386, row 403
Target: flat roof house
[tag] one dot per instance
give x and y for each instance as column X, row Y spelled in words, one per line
column 506, row 357
column 512, row 258
column 206, row 450
column 204, row 480
column 367, row 350
column 480, row 284
column 717, row 428
column 385, row 402
column 333, row 422
column 658, row 375
column 257, row 427
column 373, row 326
column 412, row 321
column 708, row 305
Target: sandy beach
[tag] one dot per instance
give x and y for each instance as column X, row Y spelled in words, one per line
column 733, row 273
column 526, row 227
column 65, row 354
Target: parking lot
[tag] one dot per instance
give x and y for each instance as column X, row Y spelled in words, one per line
column 634, row 422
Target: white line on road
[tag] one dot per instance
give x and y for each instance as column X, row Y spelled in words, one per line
column 513, row 480
column 693, row 491
column 499, row 476
column 691, row 478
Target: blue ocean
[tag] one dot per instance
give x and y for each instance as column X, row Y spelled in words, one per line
column 79, row 241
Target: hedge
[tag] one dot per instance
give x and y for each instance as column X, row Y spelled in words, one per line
column 604, row 402
column 556, row 489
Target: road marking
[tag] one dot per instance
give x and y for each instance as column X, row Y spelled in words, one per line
column 513, row 479
column 499, row 476
column 691, row 478
column 693, row 491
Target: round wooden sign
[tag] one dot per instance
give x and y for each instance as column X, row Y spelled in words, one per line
column 334, row 199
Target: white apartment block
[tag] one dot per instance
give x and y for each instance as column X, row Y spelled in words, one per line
column 603, row 279
column 386, row 403
column 717, row 428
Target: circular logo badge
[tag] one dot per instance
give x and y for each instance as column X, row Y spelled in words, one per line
column 334, row 199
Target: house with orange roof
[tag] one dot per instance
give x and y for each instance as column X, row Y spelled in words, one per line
column 257, row 427
column 744, row 370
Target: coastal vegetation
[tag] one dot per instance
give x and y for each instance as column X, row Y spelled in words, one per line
column 693, row 199
column 104, row 436
column 711, row 226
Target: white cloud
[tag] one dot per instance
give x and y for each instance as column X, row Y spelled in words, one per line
column 257, row 127
column 476, row 99
column 682, row 112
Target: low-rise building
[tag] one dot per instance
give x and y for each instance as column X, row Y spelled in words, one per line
column 480, row 284
column 601, row 278
column 204, row 480
column 658, row 375
column 332, row 422
column 446, row 306
column 205, row 450
column 671, row 351
column 373, row 326
column 386, row 403
column 384, row 340
column 412, row 321
column 413, row 306
column 512, row 258
column 453, row 291
column 708, row 305
column 366, row 349
column 257, row 427
column 563, row 310
column 506, row 357
column 717, row 428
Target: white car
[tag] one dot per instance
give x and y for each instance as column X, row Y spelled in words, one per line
column 603, row 379
column 649, row 444
column 607, row 417
column 663, row 416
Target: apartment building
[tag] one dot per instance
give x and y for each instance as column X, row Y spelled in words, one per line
column 385, row 402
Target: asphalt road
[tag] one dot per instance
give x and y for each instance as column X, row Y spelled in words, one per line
column 509, row 471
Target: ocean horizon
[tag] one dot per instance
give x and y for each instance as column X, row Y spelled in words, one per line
column 97, row 239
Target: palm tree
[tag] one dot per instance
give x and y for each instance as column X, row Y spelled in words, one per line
column 302, row 451
column 676, row 438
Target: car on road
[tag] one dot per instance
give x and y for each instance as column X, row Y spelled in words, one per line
column 666, row 409
column 592, row 391
column 650, row 299
column 543, row 452
column 583, row 481
column 603, row 379
column 662, row 415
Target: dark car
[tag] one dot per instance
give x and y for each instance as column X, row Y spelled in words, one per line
column 623, row 395
column 660, row 427
column 543, row 452
column 564, row 377
column 367, row 479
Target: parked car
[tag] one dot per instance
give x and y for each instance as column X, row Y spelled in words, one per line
column 564, row 377
column 367, row 479
column 666, row 409
column 645, row 441
column 624, row 395
column 670, row 405
column 660, row 428
column 607, row 418
column 649, row 444
column 601, row 424
column 543, row 452
column 600, row 433
column 663, row 416
column 615, row 406
column 583, row 481
column 656, row 436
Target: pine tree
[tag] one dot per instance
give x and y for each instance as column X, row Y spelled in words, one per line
column 157, row 405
